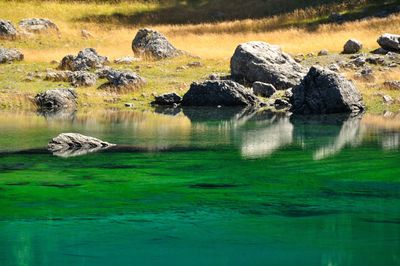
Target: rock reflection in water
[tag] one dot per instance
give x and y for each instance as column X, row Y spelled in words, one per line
column 391, row 141
column 263, row 142
column 350, row 134
column 256, row 134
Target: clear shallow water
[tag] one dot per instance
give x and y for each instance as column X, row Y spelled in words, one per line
column 208, row 187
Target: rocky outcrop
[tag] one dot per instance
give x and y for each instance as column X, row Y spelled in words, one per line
column 324, row 92
column 76, row 78
column 167, row 99
column 37, row 25
column 122, row 81
column 74, row 144
column 7, row 30
column 390, row 42
column 219, row 92
column 58, row 75
column 10, row 55
column 260, row 61
column 56, row 100
column 152, row 43
column 83, row 78
column 87, row 59
column 352, row 46
column 263, row 89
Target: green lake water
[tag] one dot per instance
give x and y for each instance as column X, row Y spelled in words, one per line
column 201, row 187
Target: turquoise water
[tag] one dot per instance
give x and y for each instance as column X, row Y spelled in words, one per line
column 201, row 187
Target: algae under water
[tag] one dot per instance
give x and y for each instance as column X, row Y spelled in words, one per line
column 201, row 187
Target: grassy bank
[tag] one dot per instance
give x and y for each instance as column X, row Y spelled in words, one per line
column 299, row 28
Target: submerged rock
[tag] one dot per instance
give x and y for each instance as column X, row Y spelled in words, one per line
column 390, row 42
column 7, row 30
column 219, row 92
column 168, row 99
column 10, row 55
column 37, row 25
column 152, row 43
column 74, row 144
column 260, row 61
column 87, row 59
column 56, row 99
column 323, row 91
column 122, row 80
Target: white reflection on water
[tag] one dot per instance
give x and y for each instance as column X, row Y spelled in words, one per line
column 350, row 134
column 263, row 142
column 391, row 141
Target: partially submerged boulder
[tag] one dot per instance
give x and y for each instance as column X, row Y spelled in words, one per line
column 9, row 55
column 74, row 144
column 37, row 25
column 219, row 92
column 352, row 46
column 390, row 42
column 56, row 99
column 123, row 81
column 260, row 61
column 263, row 89
column 7, row 30
column 87, row 59
column 152, row 43
column 168, row 99
column 323, row 91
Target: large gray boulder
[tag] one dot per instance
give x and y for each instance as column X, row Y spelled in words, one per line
column 260, row 61
column 10, row 55
column 323, row 91
column 87, row 59
column 123, row 81
column 37, row 25
column 390, row 42
column 74, row 144
column 152, row 43
column 56, row 99
column 352, row 46
column 7, row 30
column 219, row 92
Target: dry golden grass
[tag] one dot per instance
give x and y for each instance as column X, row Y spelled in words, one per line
column 207, row 40
column 297, row 32
column 117, row 42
